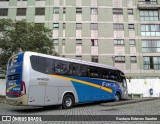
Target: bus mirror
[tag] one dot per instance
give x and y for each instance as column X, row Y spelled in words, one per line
column 129, row 78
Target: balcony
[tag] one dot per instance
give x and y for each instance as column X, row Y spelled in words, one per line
column 148, row 5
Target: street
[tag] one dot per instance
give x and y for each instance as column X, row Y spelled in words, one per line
column 142, row 108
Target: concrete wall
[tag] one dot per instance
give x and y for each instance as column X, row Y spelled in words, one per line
column 142, row 86
column 2, row 87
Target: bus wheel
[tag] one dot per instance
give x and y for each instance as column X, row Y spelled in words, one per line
column 117, row 97
column 68, row 101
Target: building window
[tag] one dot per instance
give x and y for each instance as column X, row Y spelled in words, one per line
column 150, row 62
column 3, row 12
column 118, row 42
column 55, row 25
column 94, row 11
column 133, row 59
column 39, row 24
column 78, row 41
column 117, row 11
column 151, row 46
column 132, row 42
column 55, row 42
column 94, row 42
column 94, row 59
column 56, row 10
column 64, row 10
column 78, row 10
column 149, row 15
column 40, row 11
column 150, row 30
column 131, row 26
column 119, row 59
column 21, row 11
column 94, row 26
column 78, row 26
column 148, row 1
column 79, row 57
column 63, row 41
column 64, row 25
column 118, row 26
column 130, row 11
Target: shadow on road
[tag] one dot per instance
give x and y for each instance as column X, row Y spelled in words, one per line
column 35, row 109
column 31, row 109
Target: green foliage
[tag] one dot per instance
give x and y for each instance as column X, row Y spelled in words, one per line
column 24, row 36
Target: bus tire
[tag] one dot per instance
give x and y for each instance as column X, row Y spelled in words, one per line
column 117, row 97
column 68, row 101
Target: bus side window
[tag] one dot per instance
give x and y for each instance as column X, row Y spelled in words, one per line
column 49, row 66
column 53, row 66
column 105, row 74
column 83, row 71
column 57, row 67
column 61, row 67
column 64, row 68
column 34, row 62
column 114, row 76
column 42, row 64
column 73, row 69
column 93, row 72
column 79, row 70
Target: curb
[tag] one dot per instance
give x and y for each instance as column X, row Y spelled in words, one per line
column 1, row 96
column 2, row 99
column 129, row 101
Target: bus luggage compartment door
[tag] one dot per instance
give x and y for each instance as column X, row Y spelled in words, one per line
column 51, row 96
column 36, row 95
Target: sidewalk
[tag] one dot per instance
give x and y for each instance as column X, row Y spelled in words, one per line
column 2, row 99
column 127, row 101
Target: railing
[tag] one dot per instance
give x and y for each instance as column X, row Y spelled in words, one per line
column 148, row 2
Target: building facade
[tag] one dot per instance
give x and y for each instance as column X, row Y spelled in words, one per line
column 122, row 33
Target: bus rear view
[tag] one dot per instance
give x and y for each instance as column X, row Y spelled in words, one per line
column 15, row 86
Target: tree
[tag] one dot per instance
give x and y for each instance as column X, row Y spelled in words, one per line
column 18, row 36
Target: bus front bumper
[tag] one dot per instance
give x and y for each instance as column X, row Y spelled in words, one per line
column 22, row 100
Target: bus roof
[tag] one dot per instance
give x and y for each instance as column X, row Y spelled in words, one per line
column 74, row 60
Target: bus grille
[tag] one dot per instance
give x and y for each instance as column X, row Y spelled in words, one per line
column 14, row 77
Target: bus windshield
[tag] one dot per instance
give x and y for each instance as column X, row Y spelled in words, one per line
column 124, row 83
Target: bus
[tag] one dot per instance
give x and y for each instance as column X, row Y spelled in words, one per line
column 36, row 79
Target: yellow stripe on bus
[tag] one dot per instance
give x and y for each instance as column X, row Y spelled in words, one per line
column 83, row 82
column 11, row 87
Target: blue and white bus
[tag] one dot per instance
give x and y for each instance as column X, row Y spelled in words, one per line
column 36, row 79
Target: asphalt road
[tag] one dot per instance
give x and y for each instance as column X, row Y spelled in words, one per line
column 93, row 111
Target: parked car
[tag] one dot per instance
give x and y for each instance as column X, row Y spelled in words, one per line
column 2, row 74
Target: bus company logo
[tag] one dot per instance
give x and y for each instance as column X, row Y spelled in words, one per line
column 13, row 60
